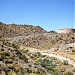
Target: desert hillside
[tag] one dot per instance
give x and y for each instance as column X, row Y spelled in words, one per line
column 12, row 30
column 17, row 60
column 31, row 50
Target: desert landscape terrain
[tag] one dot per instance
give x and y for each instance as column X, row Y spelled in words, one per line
column 31, row 50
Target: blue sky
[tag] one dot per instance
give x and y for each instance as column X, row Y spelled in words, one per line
column 49, row 14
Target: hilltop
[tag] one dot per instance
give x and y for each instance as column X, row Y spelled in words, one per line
column 12, row 30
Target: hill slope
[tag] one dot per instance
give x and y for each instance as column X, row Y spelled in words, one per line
column 18, row 58
column 12, row 30
column 35, row 36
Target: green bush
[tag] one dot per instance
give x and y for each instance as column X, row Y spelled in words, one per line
column 65, row 62
column 47, row 64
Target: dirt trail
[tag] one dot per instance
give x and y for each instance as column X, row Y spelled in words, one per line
column 60, row 58
column 71, row 62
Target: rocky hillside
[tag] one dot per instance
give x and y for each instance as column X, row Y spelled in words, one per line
column 35, row 36
column 47, row 40
column 21, row 61
column 18, row 58
column 12, row 30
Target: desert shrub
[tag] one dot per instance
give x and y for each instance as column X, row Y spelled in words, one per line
column 7, row 43
column 56, row 72
column 68, row 72
column 24, row 58
column 37, row 54
column 14, row 73
column 47, row 64
column 73, row 51
column 32, row 56
column 0, row 37
column 25, row 51
column 62, row 68
column 15, row 45
column 65, row 62
column 73, row 69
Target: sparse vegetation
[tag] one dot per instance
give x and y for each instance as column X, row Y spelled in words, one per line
column 16, row 60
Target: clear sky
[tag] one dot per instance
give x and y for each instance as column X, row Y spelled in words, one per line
column 49, row 14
